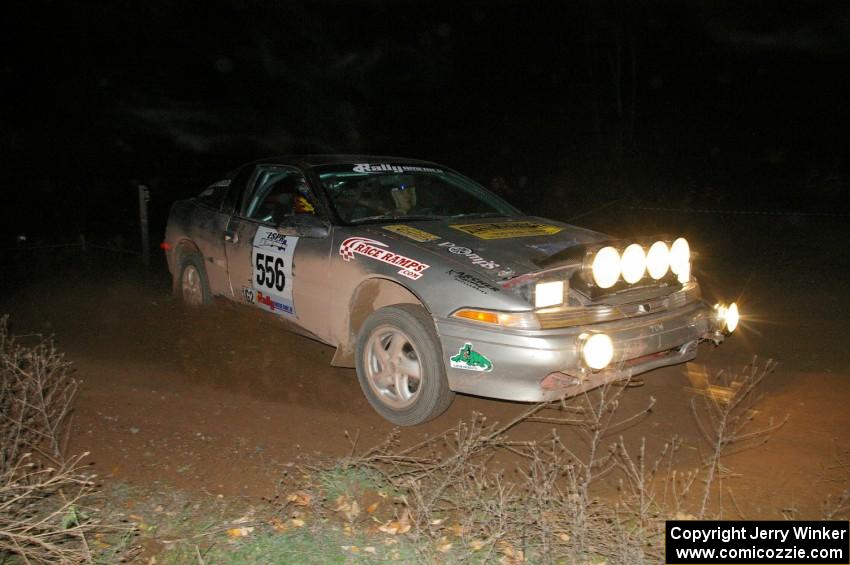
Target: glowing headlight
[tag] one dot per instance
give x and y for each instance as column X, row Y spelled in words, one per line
column 680, row 256
column 633, row 263
column 597, row 351
column 728, row 316
column 606, row 267
column 658, row 260
column 732, row 317
column 548, row 294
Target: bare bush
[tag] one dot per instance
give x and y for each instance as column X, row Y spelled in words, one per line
column 447, row 486
column 36, row 395
column 42, row 492
column 42, row 513
column 726, row 423
column 551, row 509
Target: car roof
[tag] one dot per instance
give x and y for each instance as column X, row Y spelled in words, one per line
column 335, row 159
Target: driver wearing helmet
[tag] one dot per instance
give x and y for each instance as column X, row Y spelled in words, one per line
column 301, row 205
column 287, row 197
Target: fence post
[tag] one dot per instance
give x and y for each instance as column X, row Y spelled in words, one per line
column 144, row 197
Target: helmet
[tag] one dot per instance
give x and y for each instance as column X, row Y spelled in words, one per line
column 302, row 205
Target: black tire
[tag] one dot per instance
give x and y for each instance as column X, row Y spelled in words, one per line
column 191, row 285
column 429, row 394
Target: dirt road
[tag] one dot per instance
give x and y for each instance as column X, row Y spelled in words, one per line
column 225, row 402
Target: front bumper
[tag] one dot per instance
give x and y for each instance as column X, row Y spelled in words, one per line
column 539, row 366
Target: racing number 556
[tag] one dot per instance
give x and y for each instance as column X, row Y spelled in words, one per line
column 270, row 271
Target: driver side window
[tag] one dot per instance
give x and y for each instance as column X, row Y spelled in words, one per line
column 278, row 193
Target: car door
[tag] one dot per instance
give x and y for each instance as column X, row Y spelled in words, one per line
column 277, row 246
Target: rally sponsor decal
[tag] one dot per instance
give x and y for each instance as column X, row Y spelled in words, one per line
column 505, row 230
column 271, row 262
column 473, row 258
column 470, row 360
column 274, row 304
column 472, row 281
column 410, row 268
column 267, row 238
column 388, row 168
column 412, row 233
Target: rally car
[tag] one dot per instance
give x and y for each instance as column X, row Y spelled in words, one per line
column 429, row 284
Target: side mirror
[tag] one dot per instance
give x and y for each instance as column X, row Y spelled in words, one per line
column 304, row 225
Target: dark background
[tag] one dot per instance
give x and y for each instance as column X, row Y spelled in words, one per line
column 721, row 105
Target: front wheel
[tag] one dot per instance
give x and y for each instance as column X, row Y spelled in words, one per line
column 400, row 367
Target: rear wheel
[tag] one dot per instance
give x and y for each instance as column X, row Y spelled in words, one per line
column 400, row 366
column 192, row 287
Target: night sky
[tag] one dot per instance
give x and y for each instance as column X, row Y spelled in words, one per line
column 712, row 104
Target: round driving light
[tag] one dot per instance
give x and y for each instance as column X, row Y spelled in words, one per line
column 658, row 260
column 606, row 267
column 680, row 255
column 732, row 317
column 598, row 351
column 633, row 263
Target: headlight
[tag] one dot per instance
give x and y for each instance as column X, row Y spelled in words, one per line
column 597, row 351
column 518, row 320
column 680, row 256
column 680, row 260
column 728, row 316
column 606, row 267
column 658, row 260
column 732, row 317
column 633, row 263
column 548, row 294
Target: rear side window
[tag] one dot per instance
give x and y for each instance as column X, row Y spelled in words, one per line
column 214, row 195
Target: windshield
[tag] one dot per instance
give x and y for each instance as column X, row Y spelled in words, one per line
column 375, row 192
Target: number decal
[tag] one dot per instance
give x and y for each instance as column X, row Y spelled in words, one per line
column 272, row 256
column 270, row 272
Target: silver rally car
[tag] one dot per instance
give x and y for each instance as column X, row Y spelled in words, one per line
column 429, row 284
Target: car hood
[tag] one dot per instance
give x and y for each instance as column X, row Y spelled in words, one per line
column 496, row 248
